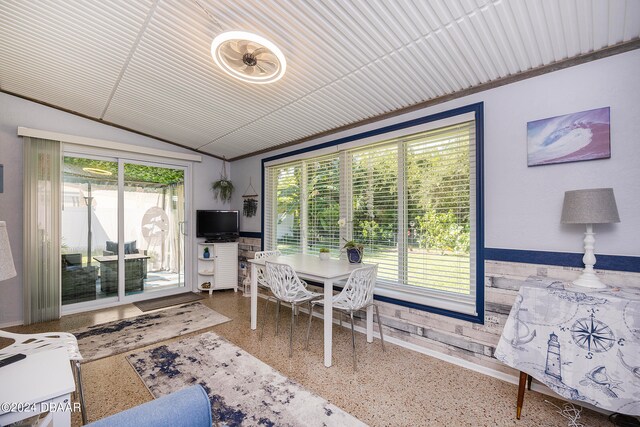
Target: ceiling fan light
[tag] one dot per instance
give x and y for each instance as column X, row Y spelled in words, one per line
column 245, row 65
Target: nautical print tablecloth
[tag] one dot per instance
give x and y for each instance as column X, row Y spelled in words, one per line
column 584, row 345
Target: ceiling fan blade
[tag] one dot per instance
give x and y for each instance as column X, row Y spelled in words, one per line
column 262, row 70
column 268, row 67
column 249, row 70
column 241, row 46
column 228, row 51
column 268, row 57
column 259, row 51
column 234, row 62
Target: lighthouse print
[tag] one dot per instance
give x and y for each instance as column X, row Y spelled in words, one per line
column 553, row 357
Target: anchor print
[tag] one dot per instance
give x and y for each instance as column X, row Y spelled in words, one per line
column 522, row 334
column 634, row 370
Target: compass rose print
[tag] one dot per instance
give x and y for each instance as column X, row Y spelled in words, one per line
column 592, row 335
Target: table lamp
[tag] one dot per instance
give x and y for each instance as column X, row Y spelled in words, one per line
column 7, row 269
column 592, row 206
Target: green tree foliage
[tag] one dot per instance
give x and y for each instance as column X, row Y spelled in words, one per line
column 375, row 195
column 437, row 205
column 133, row 173
column 323, row 202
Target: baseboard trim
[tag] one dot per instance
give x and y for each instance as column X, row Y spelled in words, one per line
column 10, row 324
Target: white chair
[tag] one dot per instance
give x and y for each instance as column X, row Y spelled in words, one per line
column 356, row 295
column 287, row 287
column 261, row 278
column 35, row 343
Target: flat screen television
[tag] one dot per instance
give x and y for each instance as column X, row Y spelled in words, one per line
column 217, row 225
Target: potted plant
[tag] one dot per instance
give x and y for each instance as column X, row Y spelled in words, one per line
column 324, row 254
column 354, row 251
column 222, row 188
column 206, row 253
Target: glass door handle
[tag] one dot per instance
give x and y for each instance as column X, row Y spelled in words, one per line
column 182, row 227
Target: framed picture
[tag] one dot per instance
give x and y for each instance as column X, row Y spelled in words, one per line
column 570, row 138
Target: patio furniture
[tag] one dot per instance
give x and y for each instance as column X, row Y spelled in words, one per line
column 356, row 295
column 264, row 284
column 311, row 267
column 287, row 287
column 135, row 271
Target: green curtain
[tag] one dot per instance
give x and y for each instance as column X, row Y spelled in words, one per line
column 42, row 210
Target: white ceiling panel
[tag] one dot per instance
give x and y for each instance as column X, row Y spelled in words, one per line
column 146, row 65
column 67, row 53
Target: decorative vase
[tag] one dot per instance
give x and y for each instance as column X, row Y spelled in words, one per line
column 206, row 253
column 325, row 255
column 354, row 255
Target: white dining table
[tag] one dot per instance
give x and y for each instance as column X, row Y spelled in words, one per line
column 311, row 267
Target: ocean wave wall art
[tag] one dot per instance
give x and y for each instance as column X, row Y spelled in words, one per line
column 570, row 138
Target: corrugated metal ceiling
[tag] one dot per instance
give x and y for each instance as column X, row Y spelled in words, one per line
column 146, row 65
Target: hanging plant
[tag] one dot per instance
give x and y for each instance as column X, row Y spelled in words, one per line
column 222, row 188
column 250, row 207
column 250, row 204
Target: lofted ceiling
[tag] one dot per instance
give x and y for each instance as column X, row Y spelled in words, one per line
column 146, row 65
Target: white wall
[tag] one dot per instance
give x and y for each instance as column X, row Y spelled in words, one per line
column 522, row 204
column 16, row 112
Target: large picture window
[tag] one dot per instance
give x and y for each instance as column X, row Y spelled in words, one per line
column 410, row 199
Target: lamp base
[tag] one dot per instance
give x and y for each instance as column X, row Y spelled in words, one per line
column 589, row 280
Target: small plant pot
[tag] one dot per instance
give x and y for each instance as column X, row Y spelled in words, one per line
column 354, row 255
column 325, row 256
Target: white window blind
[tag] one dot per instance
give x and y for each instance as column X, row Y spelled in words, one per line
column 374, row 213
column 283, row 208
column 322, row 211
column 409, row 200
column 440, row 222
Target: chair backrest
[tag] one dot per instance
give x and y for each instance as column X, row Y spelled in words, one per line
column 35, row 343
column 358, row 291
column 284, row 281
column 262, row 276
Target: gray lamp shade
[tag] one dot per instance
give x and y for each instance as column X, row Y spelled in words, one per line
column 7, row 269
column 592, row 206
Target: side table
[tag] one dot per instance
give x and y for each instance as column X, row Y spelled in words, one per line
column 583, row 344
column 40, row 383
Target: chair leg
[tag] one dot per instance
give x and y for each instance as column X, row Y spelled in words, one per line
column 277, row 316
column 379, row 326
column 293, row 317
column 264, row 321
column 353, row 340
column 306, row 347
column 80, row 392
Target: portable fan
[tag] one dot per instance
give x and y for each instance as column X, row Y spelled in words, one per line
column 248, row 57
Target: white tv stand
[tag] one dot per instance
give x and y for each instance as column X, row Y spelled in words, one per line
column 220, row 269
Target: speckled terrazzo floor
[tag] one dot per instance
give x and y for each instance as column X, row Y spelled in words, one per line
column 396, row 388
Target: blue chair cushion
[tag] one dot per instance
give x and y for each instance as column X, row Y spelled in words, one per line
column 189, row 407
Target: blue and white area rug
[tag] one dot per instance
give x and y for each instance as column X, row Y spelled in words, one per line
column 119, row 336
column 243, row 390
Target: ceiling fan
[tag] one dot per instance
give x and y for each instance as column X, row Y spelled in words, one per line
column 248, row 57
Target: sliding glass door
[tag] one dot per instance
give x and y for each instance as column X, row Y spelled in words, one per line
column 113, row 207
column 89, row 221
column 153, row 239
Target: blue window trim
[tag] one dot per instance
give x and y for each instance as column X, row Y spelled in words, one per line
column 478, row 110
column 564, row 259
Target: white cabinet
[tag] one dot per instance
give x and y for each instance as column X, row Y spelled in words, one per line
column 220, row 268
